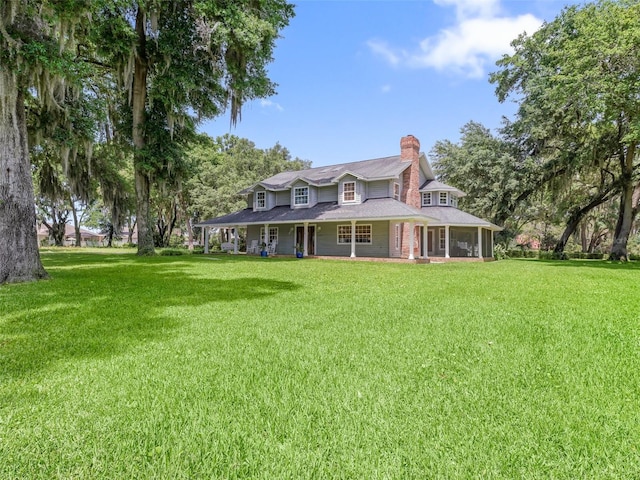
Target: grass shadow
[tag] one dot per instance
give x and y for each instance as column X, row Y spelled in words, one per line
column 102, row 305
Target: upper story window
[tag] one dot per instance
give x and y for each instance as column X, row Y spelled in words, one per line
column 426, row 199
column 301, row 196
column 443, row 198
column 396, row 191
column 349, row 192
column 261, row 200
column 454, row 200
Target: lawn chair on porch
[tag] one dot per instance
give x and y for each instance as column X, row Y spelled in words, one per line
column 272, row 248
column 254, row 247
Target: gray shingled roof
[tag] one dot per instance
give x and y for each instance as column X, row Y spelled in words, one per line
column 435, row 185
column 455, row 217
column 377, row 168
column 373, row 209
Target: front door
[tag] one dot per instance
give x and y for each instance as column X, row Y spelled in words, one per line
column 311, row 238
column 430, row 242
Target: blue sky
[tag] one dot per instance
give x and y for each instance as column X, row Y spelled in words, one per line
column 355, row 76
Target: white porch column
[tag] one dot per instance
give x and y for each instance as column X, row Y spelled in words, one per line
column 425, row 240
column 446, row 241
column 266, row 234
column 479, row 242
column 353, row 239
column 206, row 239
column 412, row 240
column 306, row 239
column 235, row 240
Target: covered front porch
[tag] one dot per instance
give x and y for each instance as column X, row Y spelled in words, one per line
column 327, row 229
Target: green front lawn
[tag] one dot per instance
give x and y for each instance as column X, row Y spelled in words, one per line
column 236, row 367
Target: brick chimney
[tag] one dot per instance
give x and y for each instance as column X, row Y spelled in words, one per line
column 410, row 152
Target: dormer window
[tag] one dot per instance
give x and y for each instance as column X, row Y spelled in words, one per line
column 454, row 200
column 426, row 199
column 261, row 200
column 396, row 191
column 300, row 196
column 349, row 192
column 443, row 198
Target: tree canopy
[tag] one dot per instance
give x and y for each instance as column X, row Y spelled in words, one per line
column 576, row 83
column 157, row 68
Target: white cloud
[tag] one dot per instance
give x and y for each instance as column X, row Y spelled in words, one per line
column 385, row 88
column 472, row 8
column 270, row 104
column 385, row 51
column 472, row 44
column 479, row 37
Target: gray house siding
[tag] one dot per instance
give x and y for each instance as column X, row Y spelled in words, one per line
column 327, row 240
column 328, row 194
column 379, row 189
column 283, row 198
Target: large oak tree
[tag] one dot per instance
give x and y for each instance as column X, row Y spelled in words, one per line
column 189, row 60
column 576, row 81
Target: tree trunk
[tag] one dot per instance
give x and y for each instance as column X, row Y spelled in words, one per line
column 625, row 216
column 584, row 243
column 58, row 231
column 76, row 224
column 578, row 215
column 189, row 233
column 142, row 180
column 131, row 225
column 19, row 255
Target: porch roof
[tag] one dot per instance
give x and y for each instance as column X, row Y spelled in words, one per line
column 457, row 218
column 371, row 210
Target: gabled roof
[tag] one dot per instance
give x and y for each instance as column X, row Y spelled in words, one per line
column 372, row 209
column 435, row 185
column 375, row 169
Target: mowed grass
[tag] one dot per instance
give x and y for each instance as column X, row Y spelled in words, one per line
column 237, row 367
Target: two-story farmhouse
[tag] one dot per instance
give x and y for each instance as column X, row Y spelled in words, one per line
column 391, row 207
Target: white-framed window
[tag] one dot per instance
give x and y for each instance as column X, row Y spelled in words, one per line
column 363, row 234
column 454, row 200
column 349, row 192
column 396, row 190
column 397, row 235
column 261, row 200
column 442, row 236
column 273, row 235
column 443, row 198
column 426, row 199
column 301, row 196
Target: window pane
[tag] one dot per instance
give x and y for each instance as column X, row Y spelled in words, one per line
column 301, row 195
column 349, row 192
